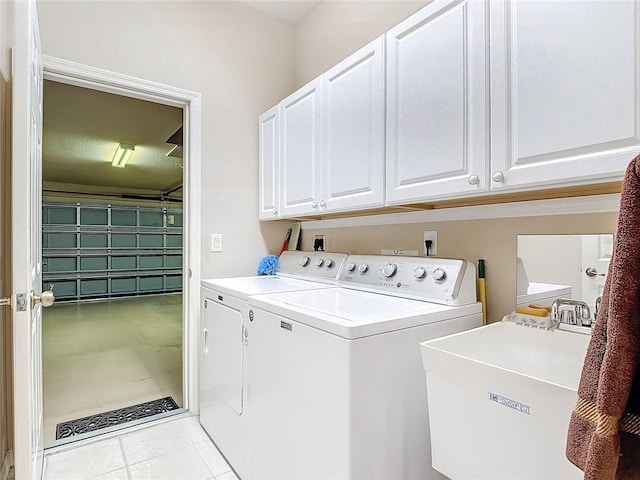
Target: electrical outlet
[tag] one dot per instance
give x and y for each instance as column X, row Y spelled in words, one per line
column 433, row 249
column 318, row 243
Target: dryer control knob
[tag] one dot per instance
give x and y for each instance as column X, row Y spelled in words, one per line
column 439, row 274
column 389, row 270
column 363, row 268
column 419, row 272
column 320, row 262
column 330, row 264
column 304, row 261
column 351, row 266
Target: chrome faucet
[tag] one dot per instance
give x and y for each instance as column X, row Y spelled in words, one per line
column 579, row 315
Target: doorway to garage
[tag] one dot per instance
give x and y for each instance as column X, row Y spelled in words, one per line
column 113, row 251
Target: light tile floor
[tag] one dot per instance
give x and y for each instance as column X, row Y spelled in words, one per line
column 100, row 356
column 172, row 449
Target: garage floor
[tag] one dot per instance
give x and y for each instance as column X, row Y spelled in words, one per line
column 104, row 355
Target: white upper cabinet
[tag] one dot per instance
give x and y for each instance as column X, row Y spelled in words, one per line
column 437, row 129
column 565, row 99
column 269, row 140
column 481, row 97
column 353, row 126
column 300, row 156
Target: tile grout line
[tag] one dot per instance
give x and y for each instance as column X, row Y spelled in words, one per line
column 124, row 457
column 200, row 453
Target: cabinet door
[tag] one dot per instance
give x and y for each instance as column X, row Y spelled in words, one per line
column 564, row 91
column 437, row 137
column 353, row 126
column 301, row 136
column 269, row 162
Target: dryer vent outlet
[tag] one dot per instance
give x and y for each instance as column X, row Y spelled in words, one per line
column 318, row 243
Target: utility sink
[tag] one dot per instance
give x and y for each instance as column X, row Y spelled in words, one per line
column 499, row 400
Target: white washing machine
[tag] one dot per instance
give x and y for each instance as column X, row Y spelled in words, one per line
column 543, row 294
column 337, row 385
column 528, row 293
column 225, row 339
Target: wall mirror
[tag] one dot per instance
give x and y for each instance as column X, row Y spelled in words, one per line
column 562, row 266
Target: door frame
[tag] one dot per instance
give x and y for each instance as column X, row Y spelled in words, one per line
column 72, row 73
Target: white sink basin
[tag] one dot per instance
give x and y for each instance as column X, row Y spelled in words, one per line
column 500, row 398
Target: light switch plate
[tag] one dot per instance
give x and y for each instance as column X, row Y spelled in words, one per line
column 216, row 242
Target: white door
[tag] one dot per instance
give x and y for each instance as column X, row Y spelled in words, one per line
column 269, row 163
column 353, row 128
column 596, row 255
column 437, row 139
column 565, row 85
column 26, row 238
column 301, row 134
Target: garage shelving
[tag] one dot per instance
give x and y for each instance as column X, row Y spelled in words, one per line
column 104, row 251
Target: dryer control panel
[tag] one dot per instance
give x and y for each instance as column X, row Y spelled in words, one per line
column 317, row 266
column 446, row 281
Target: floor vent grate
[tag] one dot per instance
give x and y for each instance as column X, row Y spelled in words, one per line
column 114, row 417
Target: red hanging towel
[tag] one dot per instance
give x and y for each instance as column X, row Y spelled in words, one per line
column 604, row 430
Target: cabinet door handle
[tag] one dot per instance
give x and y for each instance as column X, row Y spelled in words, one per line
column 314, row 205
column 322, row 204
column 473, row 180
column 275, row 212
column 206, row 340
column 498, row 177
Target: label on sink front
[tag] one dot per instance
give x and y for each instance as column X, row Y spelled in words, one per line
column 507, row 402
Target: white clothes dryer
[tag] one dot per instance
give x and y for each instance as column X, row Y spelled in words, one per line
column 225, row 340
column 336, row 377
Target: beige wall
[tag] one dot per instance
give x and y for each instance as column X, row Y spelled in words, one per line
column 494, row 240
column 239, row 59
column 336, row 29
column 6, row 407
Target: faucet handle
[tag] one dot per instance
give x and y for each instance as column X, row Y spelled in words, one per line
column 583, row 313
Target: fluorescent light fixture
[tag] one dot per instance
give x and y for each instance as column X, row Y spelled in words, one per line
column 123, row 152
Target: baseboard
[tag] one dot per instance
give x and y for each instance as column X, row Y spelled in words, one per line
column 7, row 464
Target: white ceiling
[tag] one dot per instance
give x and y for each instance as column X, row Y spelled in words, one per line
column 82, row 128
column 289, row 11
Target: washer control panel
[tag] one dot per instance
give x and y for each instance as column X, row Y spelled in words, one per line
column 312, row 265
column 440, row 280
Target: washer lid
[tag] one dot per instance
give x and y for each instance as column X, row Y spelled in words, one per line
column 352, row 314
column 242, row 287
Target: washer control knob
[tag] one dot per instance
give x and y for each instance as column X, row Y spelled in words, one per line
column 320, row 262
column 419, row 272
column 389, row 270
column 329, row 263
column 304, row 261
column 439, row 274
column 351, row 266
column 363, row 268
